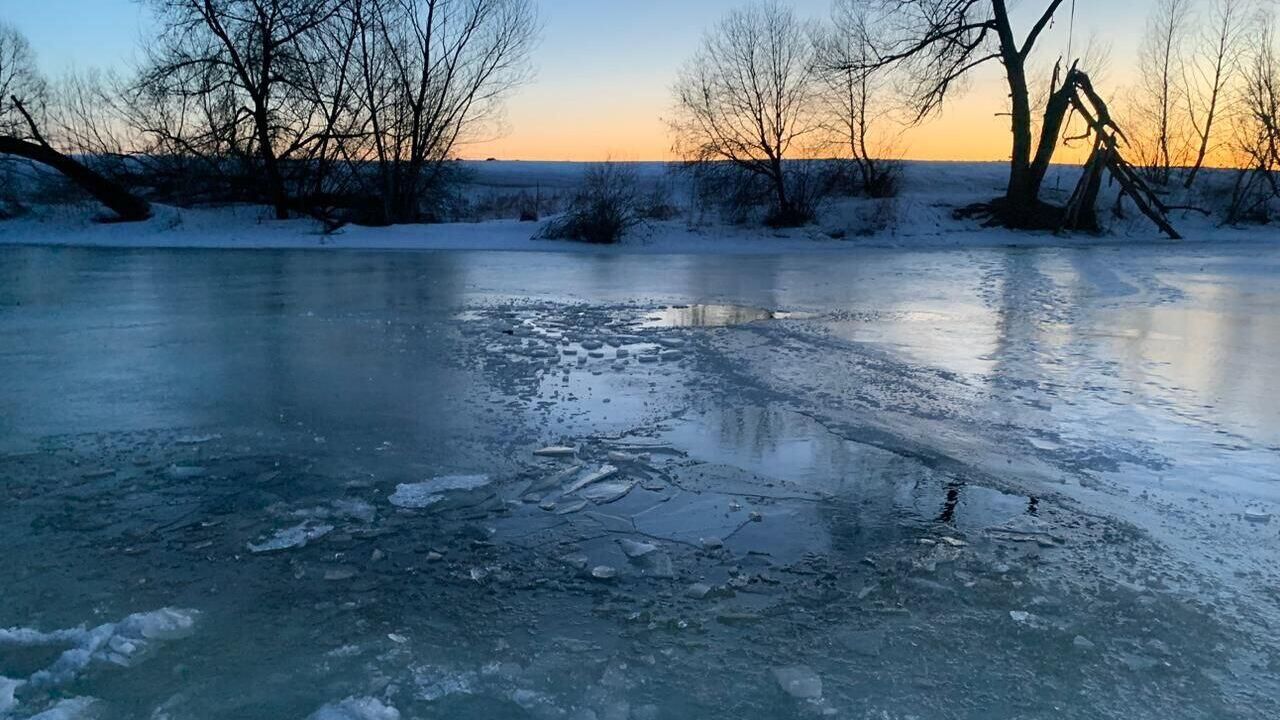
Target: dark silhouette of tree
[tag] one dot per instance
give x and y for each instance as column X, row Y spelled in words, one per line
column 432, row 74
column 18, row 79
column 20, row 86
column 855, row 95
column 1210, row 71
column 1158, row 99
column 748, row 98
column 245, row 63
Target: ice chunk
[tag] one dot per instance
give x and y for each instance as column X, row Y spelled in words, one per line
column 697, row 590
column 604, row 472
column 124, row 643
column 196, row 439
column 293, row 537
column 1257, row 513
column 163, row 624
column 799, row 682
column 633, row 549
column 356, row 509
column 607, row 492
column 353, row 708
column 570, row 508
column 434, row 683
column 428, row 493
column 186, row 472
column 604, row 572
column 556, row 451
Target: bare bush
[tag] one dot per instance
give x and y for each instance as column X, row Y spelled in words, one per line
column 605, row 208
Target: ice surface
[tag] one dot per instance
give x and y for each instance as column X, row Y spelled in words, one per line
column 850, row 450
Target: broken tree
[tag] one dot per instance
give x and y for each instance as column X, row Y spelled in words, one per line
column 940, row 41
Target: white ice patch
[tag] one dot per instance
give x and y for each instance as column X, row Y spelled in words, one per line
column 293, row 537
column 434, row 683
column 353, row 708
column 81, row 708
column 8, row 687
column 428, row 493
column 123, row 644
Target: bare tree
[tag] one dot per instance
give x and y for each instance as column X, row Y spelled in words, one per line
column 939, row 42
column 1210, row 71
column 855, row 91
column 432, row 74
column 1158, row 97
column 20, row 135
column 19, row 80
column 747, row 98
column 248, row 58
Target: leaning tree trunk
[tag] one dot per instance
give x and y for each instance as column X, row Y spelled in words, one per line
column 128, row 206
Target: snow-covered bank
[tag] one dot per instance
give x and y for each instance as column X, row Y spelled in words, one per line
column 920, row 217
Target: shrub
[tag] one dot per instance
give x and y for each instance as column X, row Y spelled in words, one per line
column 603, row 210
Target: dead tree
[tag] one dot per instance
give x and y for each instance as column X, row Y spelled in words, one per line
column 1077, row 93
column 125, row 204
column 939, row 42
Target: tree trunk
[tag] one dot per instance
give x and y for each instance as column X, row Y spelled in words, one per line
column 1021, row 196
column 270, row 165
column 128, row 206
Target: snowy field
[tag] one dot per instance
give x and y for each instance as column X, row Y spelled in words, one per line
column 920, row 217
column 954, row 483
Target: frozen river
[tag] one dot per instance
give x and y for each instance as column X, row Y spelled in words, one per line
column 999, row 483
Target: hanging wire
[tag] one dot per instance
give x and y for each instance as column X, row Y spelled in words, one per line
column 1071, row 32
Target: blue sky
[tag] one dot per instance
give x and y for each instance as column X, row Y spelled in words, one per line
column 603, row 69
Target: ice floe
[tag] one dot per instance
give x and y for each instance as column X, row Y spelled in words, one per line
column 429, row 492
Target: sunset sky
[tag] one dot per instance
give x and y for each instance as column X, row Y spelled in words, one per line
column 605, row 67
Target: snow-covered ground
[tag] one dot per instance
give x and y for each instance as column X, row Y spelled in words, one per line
column 920, row 217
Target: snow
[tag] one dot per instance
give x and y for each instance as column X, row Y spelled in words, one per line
column 920, row 217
